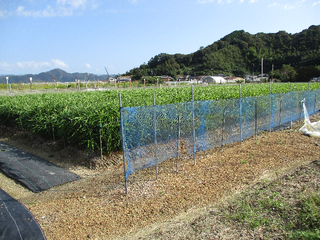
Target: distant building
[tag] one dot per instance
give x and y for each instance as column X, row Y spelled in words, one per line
column 315, row 79
column 234, row 79
column 110, row 79
column 213, row 79
column 182, row 78
column 263, row 77
column 193, row 78
column 252, row 78
column 124, row 79
column 167, row 78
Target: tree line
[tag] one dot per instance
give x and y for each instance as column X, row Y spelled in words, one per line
column 286, row 57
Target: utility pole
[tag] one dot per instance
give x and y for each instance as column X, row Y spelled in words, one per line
column 252, row 71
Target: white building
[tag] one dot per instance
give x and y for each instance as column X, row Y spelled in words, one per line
column 213, row 79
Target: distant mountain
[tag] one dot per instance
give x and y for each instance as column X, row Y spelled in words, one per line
column 60, row 76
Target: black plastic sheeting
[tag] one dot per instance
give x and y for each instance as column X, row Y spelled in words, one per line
column 34, row 172
column 16, row 221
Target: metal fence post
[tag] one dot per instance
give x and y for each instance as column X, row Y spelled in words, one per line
column 222, row 128
column 155, row 133
column 308, row 93
column 290, row 107
column 307, row 99
column 123, row 144
column 315, row 101
column 193, row 129
column 100, row 134
column 280, row 112
column 178, row 143
column 240, row 115
column 270, row 107
column 256, row 118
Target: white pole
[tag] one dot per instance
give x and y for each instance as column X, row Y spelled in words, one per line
column 7, row 78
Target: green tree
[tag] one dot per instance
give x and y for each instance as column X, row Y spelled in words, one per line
column 305, row 74
column 287, row 73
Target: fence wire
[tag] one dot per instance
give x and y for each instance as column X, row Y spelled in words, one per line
column 150, row 134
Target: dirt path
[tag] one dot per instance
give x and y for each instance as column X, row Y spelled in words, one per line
column 96, row 206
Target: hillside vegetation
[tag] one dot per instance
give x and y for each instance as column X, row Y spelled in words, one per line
column 295, row 57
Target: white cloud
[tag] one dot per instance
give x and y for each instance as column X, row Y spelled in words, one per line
column 88, row 65
column 47, row 12
column 209, row 1
column 274, row 5
column 205, row 1
column 94, row 5
column 296, row 5
column 287, row 6
column 221, row 1
column 315, row 3
column 20, row 10
column 72, row 3
column 32, row 66
column 62, row 8
column 4, row 66
column 292, row 5
column 3, row 13
column 58, row 63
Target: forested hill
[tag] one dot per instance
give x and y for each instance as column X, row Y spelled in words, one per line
column 240, row 53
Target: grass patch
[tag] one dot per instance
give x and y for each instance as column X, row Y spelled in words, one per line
column 307, row 223
column 259, row 210
column 267, row 209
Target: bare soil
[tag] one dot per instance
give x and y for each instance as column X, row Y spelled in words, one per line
column 96, row 206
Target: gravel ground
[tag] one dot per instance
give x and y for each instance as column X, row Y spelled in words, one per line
column 96, row 206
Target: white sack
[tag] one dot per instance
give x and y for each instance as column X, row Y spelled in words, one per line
column 309, row 128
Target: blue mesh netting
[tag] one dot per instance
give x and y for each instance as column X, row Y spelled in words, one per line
column 150, row 133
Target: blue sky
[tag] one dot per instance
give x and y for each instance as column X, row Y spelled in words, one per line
column 88, row 35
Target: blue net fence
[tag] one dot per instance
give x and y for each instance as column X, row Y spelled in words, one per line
column 153, row 134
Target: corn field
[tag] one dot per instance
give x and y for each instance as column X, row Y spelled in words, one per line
column 78, row 117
